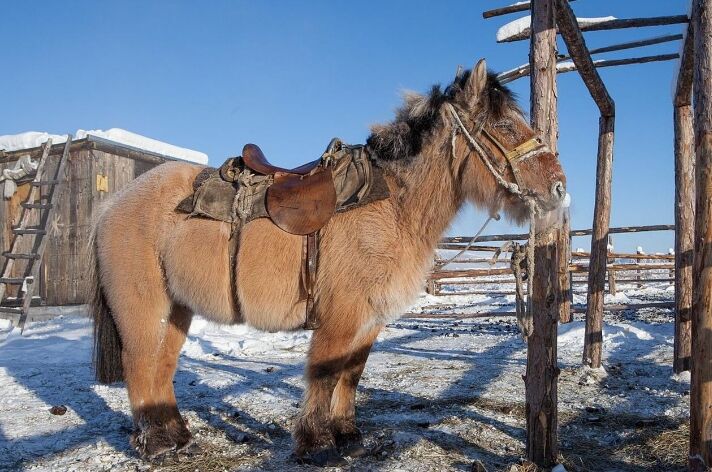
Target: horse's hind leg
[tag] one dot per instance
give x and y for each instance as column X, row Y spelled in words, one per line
column 152, row 332
column 167, row 413
column 343, row 400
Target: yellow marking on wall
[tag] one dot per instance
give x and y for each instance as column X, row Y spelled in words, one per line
column 102, row 183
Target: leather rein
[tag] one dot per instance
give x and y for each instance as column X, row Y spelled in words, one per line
column 513, row 157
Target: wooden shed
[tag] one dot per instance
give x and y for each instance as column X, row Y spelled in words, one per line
column 96, row 168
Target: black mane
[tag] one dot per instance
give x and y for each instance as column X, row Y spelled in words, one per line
column 403, row 138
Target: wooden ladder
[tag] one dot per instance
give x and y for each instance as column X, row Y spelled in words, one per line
column 35, row 237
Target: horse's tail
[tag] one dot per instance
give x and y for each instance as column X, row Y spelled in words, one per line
column 107, row 342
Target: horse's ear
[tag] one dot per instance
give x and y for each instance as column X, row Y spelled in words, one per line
column 477, row 81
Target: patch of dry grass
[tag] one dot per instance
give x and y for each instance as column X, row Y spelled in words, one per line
column 651, row 444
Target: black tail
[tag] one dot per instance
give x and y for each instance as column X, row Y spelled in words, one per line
column 107, row 342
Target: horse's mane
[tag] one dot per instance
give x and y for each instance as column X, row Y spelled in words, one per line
column 402, row 139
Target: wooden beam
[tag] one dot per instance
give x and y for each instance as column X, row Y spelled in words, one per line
column 517, row 7
column 683, row 87
column 620, row 255
column 618, row 23
column 481, row 272
column 684, row 206
column 701, row 384
column 542, row 374
column 523, row 70
column 574, row 232
column 629, row 45
column 576, row 46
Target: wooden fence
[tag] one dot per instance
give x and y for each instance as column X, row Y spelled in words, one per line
column 484, row 270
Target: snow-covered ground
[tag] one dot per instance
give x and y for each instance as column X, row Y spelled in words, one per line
column 436, row 395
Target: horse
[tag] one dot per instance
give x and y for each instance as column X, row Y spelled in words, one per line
column 155, row 267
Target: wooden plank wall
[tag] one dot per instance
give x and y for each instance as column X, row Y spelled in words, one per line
column 64, row 269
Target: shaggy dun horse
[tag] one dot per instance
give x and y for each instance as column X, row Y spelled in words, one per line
column 155, row 267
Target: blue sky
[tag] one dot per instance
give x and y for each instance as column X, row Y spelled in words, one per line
column 290, row 75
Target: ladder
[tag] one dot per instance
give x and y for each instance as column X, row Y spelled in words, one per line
column 34, row 237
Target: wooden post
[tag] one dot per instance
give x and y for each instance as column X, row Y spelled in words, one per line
column 701, row 384
column 684, row 207
column 542, row 371
column 638, row 272
column 599, row 240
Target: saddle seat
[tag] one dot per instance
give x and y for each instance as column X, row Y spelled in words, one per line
column 255, row 159
column 300, row 200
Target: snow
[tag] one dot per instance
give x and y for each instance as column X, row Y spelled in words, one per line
column 32, row 139
column 593, row 21
column 520, row 25
column 435, row 394
column 28, row 140
column 513, row 28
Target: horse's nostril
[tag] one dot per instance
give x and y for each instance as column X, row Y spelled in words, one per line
column 558, row 190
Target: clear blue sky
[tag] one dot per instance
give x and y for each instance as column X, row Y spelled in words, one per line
column 214, row 75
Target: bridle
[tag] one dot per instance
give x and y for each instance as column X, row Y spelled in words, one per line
column 513, row 158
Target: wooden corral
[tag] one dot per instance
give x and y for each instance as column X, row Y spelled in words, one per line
column 96, row 169
column 693, row 210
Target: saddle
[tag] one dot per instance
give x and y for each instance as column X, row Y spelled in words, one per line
column 299, row 201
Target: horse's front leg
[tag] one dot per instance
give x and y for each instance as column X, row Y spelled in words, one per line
column 343, row 400
column 331, row 347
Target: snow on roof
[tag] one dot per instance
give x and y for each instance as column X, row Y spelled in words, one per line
column 28, row 140
column 32, row 139
column 520, row 25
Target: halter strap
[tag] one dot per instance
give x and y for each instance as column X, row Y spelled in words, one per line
column 513, row 157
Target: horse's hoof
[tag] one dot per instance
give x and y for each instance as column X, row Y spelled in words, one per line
column 322, row 458
column 159, row 443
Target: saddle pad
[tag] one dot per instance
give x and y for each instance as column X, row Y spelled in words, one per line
column 297, row 206
column 212, row 197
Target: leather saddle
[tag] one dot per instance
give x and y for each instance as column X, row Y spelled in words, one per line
column 300, row 200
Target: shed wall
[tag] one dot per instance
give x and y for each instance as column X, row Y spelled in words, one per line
column 64, row 269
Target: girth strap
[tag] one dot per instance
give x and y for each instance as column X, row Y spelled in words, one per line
column 310, row 260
